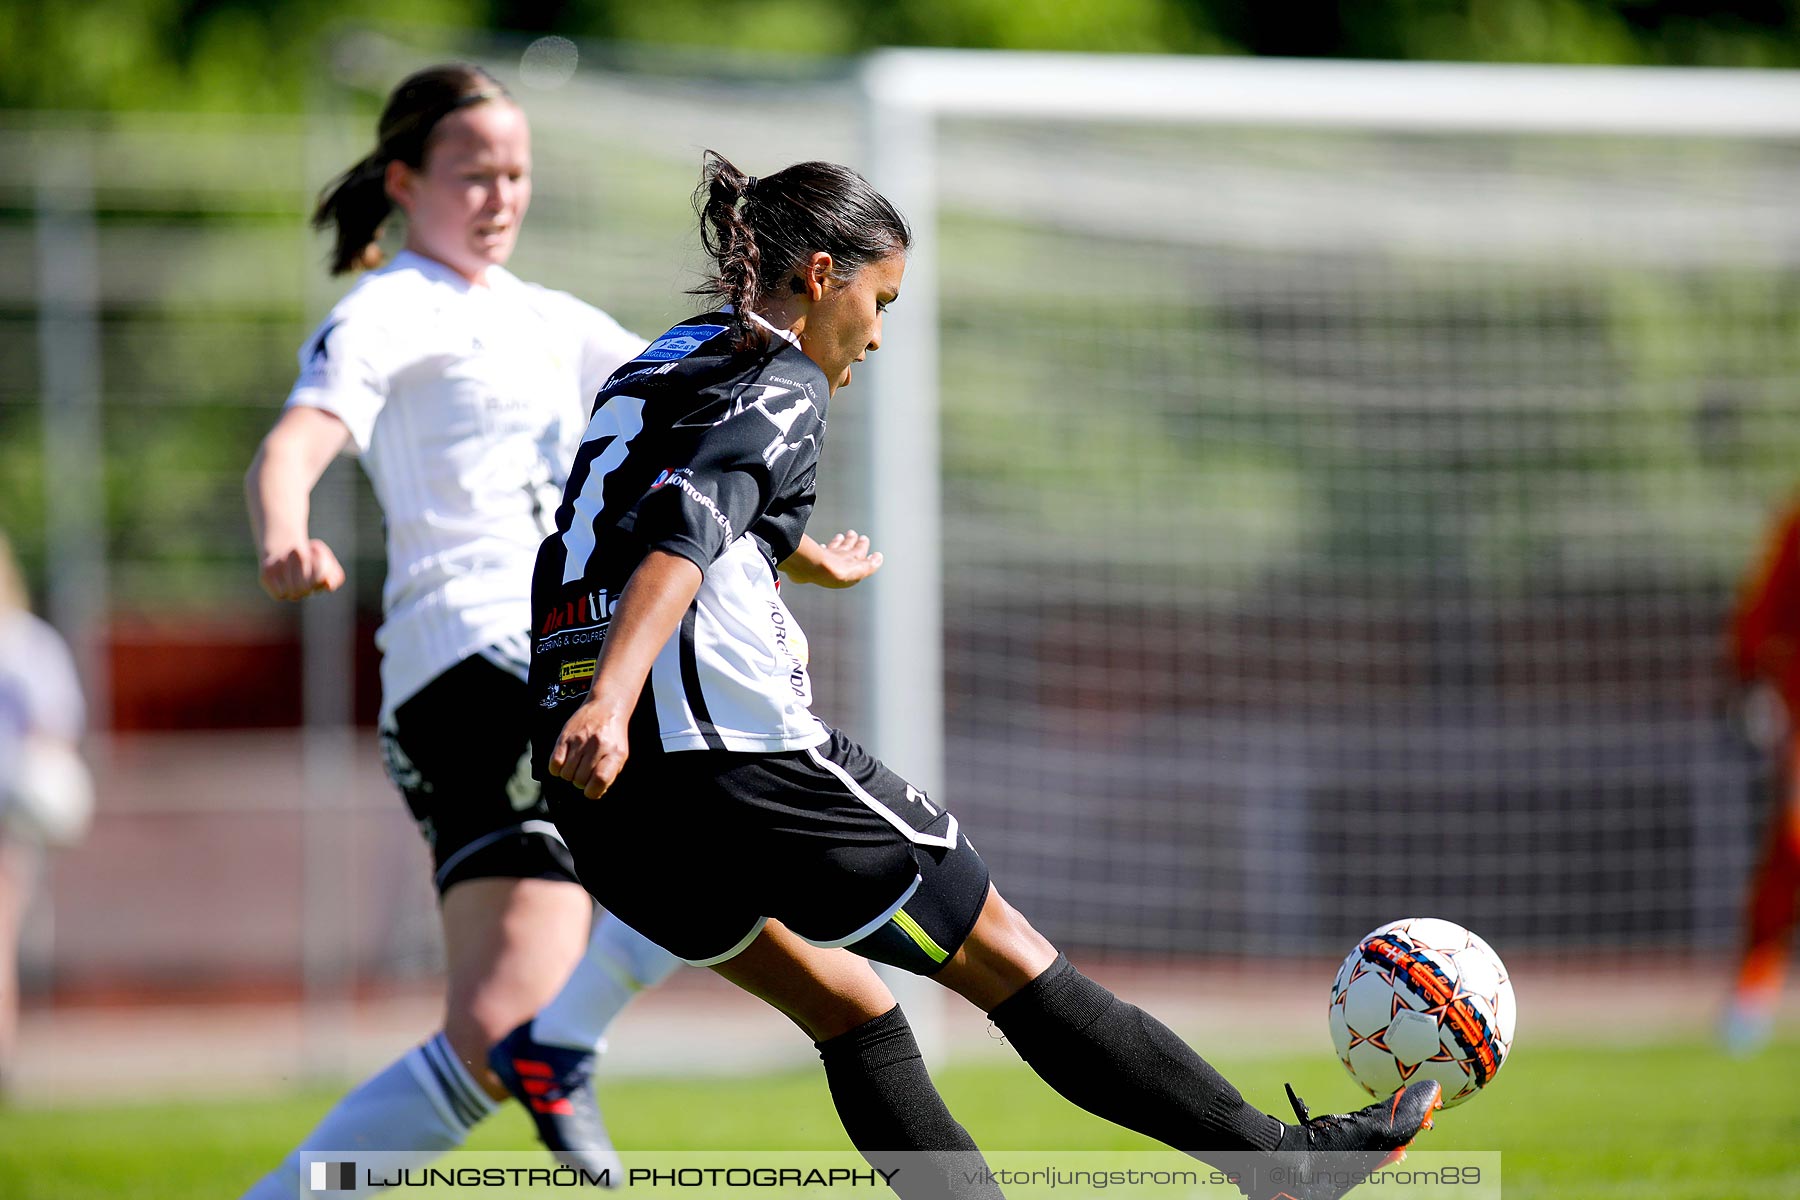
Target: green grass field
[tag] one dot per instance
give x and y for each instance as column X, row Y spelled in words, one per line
column 1669, row 1121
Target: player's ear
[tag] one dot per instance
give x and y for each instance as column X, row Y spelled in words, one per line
column 813, row 275
column 397, row 180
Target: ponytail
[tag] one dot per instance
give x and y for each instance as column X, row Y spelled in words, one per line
column 759, row 231
column 727, row 236
column 356, row 204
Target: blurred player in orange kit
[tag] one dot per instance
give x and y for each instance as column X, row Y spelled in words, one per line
column 1765, row 654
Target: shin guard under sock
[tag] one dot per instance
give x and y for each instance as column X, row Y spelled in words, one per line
column 1120, row 1063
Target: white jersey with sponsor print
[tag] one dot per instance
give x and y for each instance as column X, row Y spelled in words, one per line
column 466, row 405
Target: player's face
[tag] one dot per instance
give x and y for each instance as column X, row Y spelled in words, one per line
column 844, row 324
column 464, row 207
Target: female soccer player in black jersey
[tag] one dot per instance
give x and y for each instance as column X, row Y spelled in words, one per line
column 707, row 807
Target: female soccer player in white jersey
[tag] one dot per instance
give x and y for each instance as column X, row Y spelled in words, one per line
column 464, row 392
column 701, row 798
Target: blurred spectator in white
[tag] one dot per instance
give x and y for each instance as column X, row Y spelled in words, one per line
column 46, row 794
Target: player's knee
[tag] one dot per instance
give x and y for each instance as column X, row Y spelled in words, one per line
column 827, row 1022
column 849, row 998
column 824, row 1015
column 1002, row 935
column 1002, row 954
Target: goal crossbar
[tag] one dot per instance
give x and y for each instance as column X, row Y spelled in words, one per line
column 1394, row 96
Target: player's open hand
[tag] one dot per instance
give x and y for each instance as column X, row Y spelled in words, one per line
column 838, row 563
column 592, row 748
column 301, row 571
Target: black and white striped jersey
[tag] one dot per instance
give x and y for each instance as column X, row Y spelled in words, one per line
column 710, row 451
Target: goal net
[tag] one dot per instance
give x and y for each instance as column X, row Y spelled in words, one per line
column 1345, row 471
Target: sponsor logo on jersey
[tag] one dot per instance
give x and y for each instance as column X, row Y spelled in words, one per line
column 623, row 377
column 778, row 622
column 563, row 640
column 679, row 342
column 574, row 677
column 590, row 610
column 682, row 477
column 800, row 384
column 681, row 480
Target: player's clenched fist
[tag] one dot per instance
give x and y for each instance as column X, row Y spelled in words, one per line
column 301, row 571
column 592, row 748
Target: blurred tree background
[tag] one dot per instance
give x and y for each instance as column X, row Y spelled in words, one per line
column 190, row 114
column 184, row 55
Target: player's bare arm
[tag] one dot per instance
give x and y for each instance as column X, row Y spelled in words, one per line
column 843, row 561
column 278, row 492
column 593, row 746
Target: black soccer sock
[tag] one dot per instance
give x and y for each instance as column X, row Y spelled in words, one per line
column 1119, row 1062
column 887, row 1102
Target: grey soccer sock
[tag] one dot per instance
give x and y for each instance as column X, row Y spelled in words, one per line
column 1121, row 1063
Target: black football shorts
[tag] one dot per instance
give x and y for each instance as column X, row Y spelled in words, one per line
column 698, row 849
column 459, row 751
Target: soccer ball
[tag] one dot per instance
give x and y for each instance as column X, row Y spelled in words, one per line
column 1422, row 999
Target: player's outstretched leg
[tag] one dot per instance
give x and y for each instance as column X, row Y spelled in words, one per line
column 548, row 1063
column 884, row 1096
column 1105, row 1055
column 1119, row 1062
